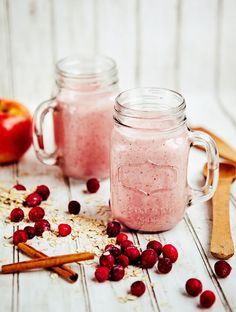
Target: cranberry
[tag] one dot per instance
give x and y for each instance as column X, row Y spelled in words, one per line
column 132, row 253
column 20, row 236
column 122, row 260
column 64, row 229
column 93, row 185
column 36, row 214
column 164, row 265
column 121, row 237
column 102, row 274
column 170, row 252
column 114, row 251
column 207, row 299
column 74, row 207
column 148, row 258
column 222, row 268
column 125, row 244
column 33, row 199
column 41, row 226
column 138, row 288
column 43, row 191
column 107, row 260
column 30, row 231
column 113, row 228
column 17, row 215
column 117, row 272
column 193, row 287
column 155, row 245
column 19, row 187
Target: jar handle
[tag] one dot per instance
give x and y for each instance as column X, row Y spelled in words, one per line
column 38, row 138
column 208, row 190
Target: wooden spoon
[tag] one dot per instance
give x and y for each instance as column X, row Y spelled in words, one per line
column 222, row 246
column 225, row 150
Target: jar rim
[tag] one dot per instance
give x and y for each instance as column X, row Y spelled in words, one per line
column 85, row 67
column 131, row 103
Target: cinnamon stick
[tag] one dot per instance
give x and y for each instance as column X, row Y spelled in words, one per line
column 46, row 262
column 64, row 271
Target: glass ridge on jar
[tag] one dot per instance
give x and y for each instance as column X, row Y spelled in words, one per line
column 149, row 160
column 82, row 116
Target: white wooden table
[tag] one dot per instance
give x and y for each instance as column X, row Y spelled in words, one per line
column 186, row 45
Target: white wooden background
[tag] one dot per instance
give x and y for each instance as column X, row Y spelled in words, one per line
column 187, row 45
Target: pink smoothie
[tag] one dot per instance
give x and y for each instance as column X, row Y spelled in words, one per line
column 83, row 127
column 149, row 177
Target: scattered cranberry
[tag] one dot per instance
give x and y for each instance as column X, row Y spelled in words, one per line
column 117, row 272
column 114, row 251
column 155, row 245
column 36, row 214
column 125, row 244
column 207, row 299
column 122, row 260
column 19, row 187
column 222, row 268
column 64, row 229
column 30, row 231
column 107, row 260
column 43, row 191
column 121, row 237
column 74, row 207
column 148, row 258
column 102, row 274
column 170, row 252
column 33, row 199
column 138, row 288
column 41, row 226
column 17, row 215
column 164, row 265
column 93, row 185
column 193, row 287
column 113, row 228
column 132, row 253
column 20, row 236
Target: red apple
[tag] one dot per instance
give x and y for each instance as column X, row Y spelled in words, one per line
column 15, row 130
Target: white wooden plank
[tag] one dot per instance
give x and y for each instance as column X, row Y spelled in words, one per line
column 227, row 45
column 5, row 53
column 31, row 49
column 159, row 31
column 64, row 295
column 74, row 27
column 226, row 64
column 116, row 36
column 197, row 46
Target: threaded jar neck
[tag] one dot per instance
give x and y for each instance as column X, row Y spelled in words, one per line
column 150, row 108
column 86, row 73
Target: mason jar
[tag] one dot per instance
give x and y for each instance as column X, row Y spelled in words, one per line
column 82, row 117
column 149, row 160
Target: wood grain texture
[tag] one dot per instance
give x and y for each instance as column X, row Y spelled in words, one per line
column 181, row 44
column 116, row 36
column 159, row 36
column 31, row 50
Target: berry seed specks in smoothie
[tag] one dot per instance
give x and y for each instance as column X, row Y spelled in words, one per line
column 82, row 115
column 83, row 128
column 149, row 159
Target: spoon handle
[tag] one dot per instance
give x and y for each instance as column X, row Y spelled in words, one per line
column 225, row 150
column 222, row 246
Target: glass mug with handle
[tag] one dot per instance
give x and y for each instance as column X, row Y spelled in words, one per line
column 149, row 160
column 82, row 117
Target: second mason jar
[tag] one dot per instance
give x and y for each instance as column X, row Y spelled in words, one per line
column 82, row 116
column 149, row 160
